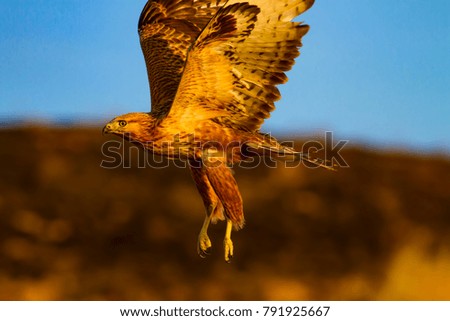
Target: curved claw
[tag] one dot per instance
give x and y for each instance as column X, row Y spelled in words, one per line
column 228, row 251
column 227, row 243
column 203, row 245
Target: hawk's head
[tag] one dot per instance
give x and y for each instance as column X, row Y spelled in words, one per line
column 133, row 126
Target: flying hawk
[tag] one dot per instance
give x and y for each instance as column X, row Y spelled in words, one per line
column 213, row 68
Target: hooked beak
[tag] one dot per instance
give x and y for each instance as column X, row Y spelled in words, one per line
column 107, row 129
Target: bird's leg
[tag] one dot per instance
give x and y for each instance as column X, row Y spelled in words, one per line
column 220, row 195
column 222, row 181
column 227, row 243
column 204, row 243
column 214, row 208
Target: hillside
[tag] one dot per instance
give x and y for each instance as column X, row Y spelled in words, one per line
column 70, row 229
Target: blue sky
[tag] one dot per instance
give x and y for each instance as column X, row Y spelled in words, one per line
column 374, row 72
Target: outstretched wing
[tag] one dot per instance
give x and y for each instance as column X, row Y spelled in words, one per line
column 167, row 28
column 234, row 66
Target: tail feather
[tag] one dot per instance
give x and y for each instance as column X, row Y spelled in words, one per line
column 313, row 161
column 287, row 154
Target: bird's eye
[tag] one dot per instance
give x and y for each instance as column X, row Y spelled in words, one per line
column 122, row 123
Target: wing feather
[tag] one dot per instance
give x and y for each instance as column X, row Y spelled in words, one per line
column 167, row 29
column 237, row 61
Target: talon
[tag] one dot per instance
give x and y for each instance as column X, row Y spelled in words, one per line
column 207, row 251
column 229, row 252
column 204, row 243
column 228, row 243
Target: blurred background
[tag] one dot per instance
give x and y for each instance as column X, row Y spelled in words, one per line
column 375, row 74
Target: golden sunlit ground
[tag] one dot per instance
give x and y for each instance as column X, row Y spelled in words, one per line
column 72, row 230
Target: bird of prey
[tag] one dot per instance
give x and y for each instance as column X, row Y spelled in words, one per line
column 213, row 68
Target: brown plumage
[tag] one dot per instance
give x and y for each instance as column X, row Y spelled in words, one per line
column 213, row 68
